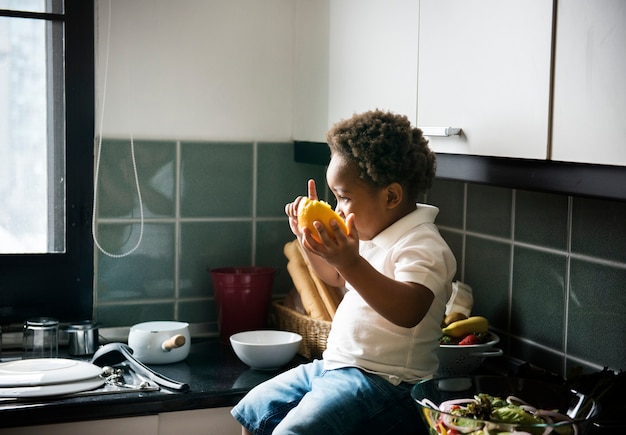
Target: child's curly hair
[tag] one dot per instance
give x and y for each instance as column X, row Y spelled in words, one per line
column 386, row 149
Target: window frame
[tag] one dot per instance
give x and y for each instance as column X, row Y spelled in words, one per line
column 61, row 284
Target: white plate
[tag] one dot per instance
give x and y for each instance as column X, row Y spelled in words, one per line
column 45, row 371
column 51, row 390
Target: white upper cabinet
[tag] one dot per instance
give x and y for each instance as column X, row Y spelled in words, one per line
column 518, row 81
column 372, row 57
column 484, row 67
column 590, row 82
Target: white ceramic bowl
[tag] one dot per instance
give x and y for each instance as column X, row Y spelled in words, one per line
column 463, row 360
column 266, row 349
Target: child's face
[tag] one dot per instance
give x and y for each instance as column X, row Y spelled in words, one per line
column 354, row 195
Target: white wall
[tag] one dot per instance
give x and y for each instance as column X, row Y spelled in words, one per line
column 311, row 70
column 196, row 69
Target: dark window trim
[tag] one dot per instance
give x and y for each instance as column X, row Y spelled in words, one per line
column 577, row 179
column 61, row 285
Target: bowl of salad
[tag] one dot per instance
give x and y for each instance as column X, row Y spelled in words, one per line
column 457, row 357
column 499, row 405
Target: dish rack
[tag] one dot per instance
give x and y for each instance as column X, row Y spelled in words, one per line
column 314, row 332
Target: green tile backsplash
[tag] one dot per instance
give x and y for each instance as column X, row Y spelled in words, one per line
column 219, row 204
column 210, row 244
column 596, row 306
column 450, row 198
column 280, row 180
column 117, row 192
column 147, row 273
column 538, row 296
column 546, row 269
column 216, row 179
column 489, row 210
column 541, row 219
column 599, row 229
column 487, row 271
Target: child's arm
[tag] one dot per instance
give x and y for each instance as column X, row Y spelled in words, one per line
column 402, row 303
column 322, row 268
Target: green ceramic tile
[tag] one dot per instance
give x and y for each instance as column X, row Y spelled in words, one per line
column 216, row 179
column 575, row 367
column 538, row 303
column 271, row 238
column 536, row 355
column 216, row 182
column 597, row 309
column 128, row 314
column 206, row 245
column 147, row 273
column 599, row 228
column 489, row 210
column 541, row 219
column 198, row 311
column 280, row 179
column 449, row 197
column 455, row 242
column 487, row 272
column 156, row 170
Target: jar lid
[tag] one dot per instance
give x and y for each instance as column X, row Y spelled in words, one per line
column 81, row 326
column 42, row 321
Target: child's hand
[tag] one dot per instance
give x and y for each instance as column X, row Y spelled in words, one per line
column 312, row 190
column 337, row 249
column 291, row 209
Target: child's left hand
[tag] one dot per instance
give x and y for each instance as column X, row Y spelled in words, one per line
column 338, row 249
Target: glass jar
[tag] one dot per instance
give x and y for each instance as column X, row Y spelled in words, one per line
column 41, row 338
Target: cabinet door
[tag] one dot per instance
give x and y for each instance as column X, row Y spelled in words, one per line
column 211, row 421
column 143, row 425
column 373, row 57
column 590, row 82
column 484, row 67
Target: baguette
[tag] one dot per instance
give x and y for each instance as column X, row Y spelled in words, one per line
column 304, row 284
column 328, row 294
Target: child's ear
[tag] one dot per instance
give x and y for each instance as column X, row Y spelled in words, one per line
column 394, row 195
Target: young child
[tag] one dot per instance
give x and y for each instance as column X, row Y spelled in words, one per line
column 397, row 270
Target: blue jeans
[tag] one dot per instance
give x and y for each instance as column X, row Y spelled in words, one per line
column 309, row 400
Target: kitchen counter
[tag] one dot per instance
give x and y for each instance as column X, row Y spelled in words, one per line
column 216, row 377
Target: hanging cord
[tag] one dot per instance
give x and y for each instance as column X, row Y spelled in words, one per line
column 132, row 153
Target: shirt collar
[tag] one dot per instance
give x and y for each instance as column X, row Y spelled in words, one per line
column 423, row 214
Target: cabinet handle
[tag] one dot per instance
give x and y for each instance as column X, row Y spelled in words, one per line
column 440, row 131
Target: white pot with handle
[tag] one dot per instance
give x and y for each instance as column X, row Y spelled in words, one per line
column 160, row 342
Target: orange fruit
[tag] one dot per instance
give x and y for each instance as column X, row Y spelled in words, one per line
column 311, row 210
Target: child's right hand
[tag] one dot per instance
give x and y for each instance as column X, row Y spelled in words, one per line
column 291, row 209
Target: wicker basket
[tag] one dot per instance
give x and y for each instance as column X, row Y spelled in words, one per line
column 314, row 332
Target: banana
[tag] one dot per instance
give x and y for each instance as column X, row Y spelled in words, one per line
column 461, row 328
column 453, row 317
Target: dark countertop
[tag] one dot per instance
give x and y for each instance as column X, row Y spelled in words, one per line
column 216, row 377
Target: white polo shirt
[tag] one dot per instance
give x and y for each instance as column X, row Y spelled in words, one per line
column 410, row 250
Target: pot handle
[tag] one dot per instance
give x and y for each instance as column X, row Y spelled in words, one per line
column 491, row 352
column 174, row 342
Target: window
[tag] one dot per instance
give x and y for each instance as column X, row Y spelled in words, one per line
column 32, row 137
column 46, row 169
